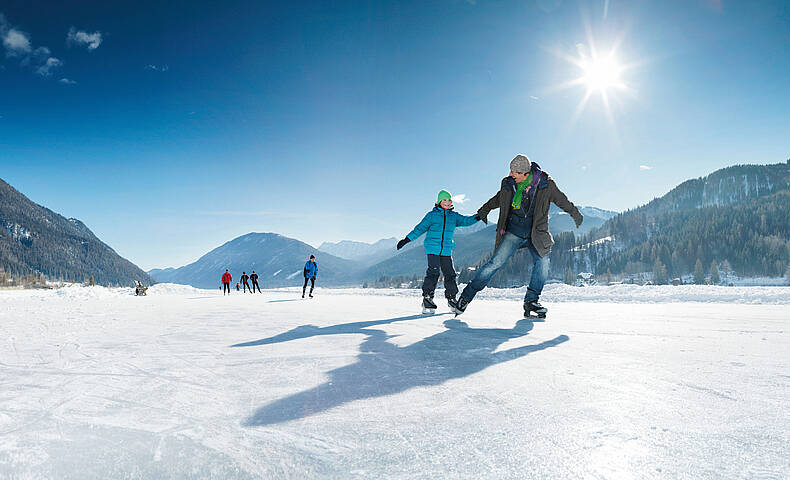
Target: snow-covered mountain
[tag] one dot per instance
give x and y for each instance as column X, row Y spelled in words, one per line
column 364, row 253
column 737, row 214
column 34, row 239
column 277, row 260
column 594, row 217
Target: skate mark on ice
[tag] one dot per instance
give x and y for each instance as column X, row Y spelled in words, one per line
column 383, row 368
column 707, row 390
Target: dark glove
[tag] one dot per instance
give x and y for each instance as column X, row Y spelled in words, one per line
column 403, row 242
column 481, row 218
column 579, row 220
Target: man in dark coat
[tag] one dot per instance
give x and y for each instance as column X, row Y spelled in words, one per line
column 245, row 282
column 254, row 279
column 523, row 202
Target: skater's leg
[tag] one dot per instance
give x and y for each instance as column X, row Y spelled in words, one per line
column 507, row 248
column 312, row 285
column 448, row 270
column 304, row 287
column 431, row 276
column 540, row 273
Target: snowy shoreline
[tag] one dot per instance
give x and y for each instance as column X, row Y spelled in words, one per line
column 554, row 293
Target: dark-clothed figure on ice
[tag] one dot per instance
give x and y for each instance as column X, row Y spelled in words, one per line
column 245, row 282
column 254, row 279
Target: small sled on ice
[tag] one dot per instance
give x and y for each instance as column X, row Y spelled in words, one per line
column 139, row 289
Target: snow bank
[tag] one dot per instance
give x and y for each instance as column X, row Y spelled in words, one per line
column 559, row 293
column 82, row 292
column 176, row 289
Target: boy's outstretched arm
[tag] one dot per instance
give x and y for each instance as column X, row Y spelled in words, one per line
column 466, row 220
column 421, row 228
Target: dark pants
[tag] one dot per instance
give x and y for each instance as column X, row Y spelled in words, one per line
column 246, row 287
column 255, row 284
column 436, row 262
column 312, row 285
column 226, row 288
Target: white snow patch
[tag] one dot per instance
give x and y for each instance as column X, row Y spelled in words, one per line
column 97, row 383
column 294, row 274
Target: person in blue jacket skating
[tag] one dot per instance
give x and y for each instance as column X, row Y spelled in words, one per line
column 439, row 227
column 310, row 274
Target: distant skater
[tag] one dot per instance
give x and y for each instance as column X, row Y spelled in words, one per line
column 254, row 278
column 245, row 282
column 310, row 274
column 237, row 286
column 226, row 279
column 440, row 225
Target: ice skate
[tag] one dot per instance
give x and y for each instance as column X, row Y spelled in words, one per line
column 458, row 306
column 428, row 306
column 535, row 311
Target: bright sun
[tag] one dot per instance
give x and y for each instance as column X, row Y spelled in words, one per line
column 601, row 74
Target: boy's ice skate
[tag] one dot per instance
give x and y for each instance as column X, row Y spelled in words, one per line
column 428, row 306
column 535, row 311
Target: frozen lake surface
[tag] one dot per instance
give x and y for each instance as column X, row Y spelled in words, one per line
column 619, row 382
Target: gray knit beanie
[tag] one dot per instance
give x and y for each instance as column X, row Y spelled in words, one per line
column 520, row 164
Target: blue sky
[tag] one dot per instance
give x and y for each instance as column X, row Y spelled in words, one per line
column 172, row 127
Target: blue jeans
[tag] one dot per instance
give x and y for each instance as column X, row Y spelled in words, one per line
column 511, row 243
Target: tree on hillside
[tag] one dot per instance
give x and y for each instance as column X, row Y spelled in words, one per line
column 660, row 273
column 569, row 277
column 714, row 273
column 726, row 268
column 699, row 273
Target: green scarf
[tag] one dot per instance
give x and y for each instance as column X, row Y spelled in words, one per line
column 520, row 191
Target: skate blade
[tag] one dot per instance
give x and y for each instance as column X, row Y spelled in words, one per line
column 428, row 311
column 535, row 318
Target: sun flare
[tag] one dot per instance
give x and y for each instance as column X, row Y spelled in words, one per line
column 601, row 74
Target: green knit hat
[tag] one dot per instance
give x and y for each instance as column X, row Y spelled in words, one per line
column 442, row 195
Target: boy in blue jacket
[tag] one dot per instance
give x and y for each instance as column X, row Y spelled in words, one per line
column 440, row 225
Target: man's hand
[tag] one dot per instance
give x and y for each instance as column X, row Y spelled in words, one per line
column 481, row 218
column 403, row 242
column 578, row 220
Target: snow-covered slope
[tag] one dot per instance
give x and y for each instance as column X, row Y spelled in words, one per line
column 34, row 239
column 186, row 383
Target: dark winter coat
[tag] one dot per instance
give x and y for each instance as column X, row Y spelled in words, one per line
column 545, row 193
column 440, row 225
column 310, row 269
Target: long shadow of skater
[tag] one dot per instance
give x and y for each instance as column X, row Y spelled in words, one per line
column 384, row 368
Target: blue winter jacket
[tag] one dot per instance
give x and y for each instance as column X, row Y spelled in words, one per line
column 310, row 269
column 440, row 227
